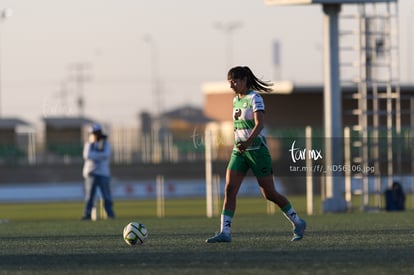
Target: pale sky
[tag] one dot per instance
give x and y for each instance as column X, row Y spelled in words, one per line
column 43, row 40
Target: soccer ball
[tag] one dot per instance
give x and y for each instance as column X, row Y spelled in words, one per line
column 135, row 233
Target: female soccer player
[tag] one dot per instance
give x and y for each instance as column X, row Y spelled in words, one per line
column 250, row 151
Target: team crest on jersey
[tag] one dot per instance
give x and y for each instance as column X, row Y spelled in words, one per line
column 244, row 105
column 237, row 114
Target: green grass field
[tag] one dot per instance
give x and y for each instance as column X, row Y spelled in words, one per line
column 50, row 239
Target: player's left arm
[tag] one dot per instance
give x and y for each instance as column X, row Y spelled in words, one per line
column 258, row 127
column 98, row 155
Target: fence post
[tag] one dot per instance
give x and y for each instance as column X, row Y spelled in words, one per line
column 216, row 194
column 309, row 171
column 160, row 197
column 209, row 172
column 347, row 161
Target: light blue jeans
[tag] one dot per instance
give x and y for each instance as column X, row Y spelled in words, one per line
column 92, row 183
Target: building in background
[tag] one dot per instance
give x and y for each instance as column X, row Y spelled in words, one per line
column 65, row 136
column 177, row 135
column 17, row 140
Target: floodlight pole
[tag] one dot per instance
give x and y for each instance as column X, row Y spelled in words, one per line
column 334, row 201
column 4, row 14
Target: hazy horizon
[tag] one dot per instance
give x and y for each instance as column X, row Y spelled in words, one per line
column 44, row 39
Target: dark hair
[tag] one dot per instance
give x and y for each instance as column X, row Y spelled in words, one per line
column 99, row 135
column 253, row 82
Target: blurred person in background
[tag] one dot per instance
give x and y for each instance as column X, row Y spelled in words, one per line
column 395, row 197
column 96, row 171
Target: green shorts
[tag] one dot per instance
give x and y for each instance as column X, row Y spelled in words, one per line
column 258, row 160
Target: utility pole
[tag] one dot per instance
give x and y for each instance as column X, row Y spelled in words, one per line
column 79, row 74
column 157, row 124
column 156, row 81
column 228, row 28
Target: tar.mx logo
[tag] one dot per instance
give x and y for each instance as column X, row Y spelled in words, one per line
column 303, row 153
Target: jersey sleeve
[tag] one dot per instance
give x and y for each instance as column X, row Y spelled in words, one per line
column 257, row 103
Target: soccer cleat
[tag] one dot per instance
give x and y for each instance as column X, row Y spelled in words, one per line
column 220, row 238
column 299, row 231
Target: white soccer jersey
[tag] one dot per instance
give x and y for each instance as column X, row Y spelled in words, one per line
column 243, row 118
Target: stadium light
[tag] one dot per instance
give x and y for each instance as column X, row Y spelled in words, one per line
column 332, row 93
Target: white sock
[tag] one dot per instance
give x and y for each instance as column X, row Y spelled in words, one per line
column 225, row 226
column 291, row 215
